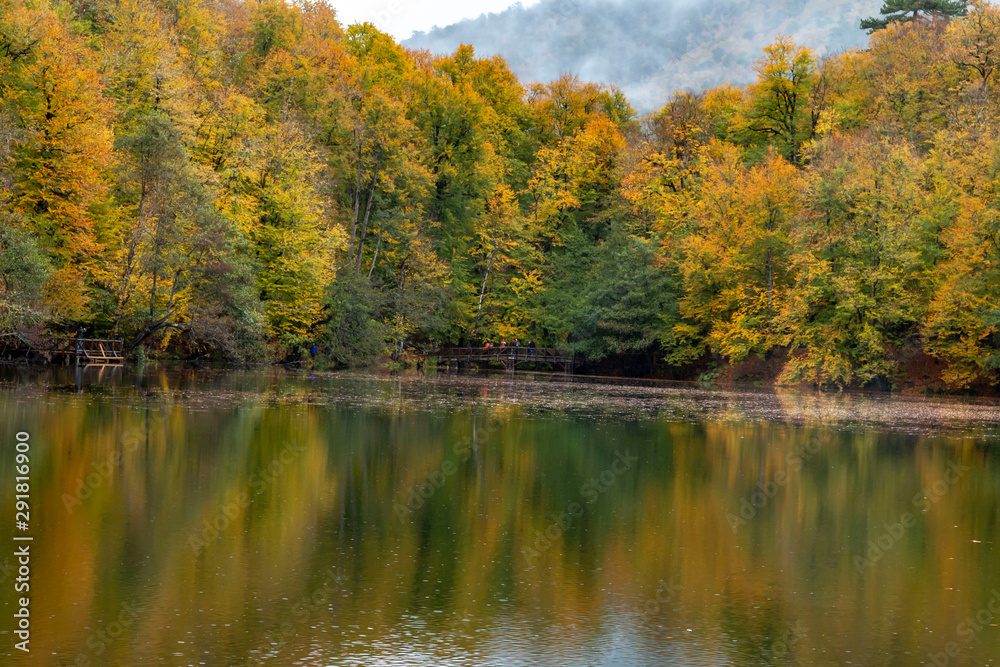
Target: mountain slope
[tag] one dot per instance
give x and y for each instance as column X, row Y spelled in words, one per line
column 650, row 48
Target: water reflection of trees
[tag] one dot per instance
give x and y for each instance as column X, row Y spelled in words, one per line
column 460, row 554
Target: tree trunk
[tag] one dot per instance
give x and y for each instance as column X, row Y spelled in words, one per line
column 126, row 292
column 368, row 210
column 357, row 203
column 770, row 283
column 482, row 292
column 377, row 247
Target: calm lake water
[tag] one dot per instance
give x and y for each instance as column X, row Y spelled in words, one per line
column 288, row 518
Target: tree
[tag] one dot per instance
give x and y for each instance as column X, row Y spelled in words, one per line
column 382, row 156
column 906, row 80
column 472, row 122
column 276, row 25
column 974, row 43
column 506, row 118
column 353, row 333
column 23, row 272
column 575, row 180
column 962, row 326
column 904, row 11
column 494, row 247
column 780, row 99
column 455, row 126
column 275, row 188
column 142, row 70
column 174, row 255
column 734, row 263
column 660, row 163
column 200, row 27
column 626, row 296
column 963, row 322
column 415, row 281
column 858, row 292
column 49, row 82
column 564, row 106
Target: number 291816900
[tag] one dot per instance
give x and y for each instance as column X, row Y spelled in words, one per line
column 22, row 486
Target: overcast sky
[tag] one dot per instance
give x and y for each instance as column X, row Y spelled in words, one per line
column 400, row 18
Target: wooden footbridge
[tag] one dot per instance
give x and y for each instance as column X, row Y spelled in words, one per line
column 509, row 357
column 63, row 351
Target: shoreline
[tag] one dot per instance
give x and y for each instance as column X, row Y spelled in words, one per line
column 723, row 377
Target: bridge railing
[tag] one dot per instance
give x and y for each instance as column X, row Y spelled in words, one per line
column 498, row 353
column 89, row 344
column 96, row 350
column 59, row 350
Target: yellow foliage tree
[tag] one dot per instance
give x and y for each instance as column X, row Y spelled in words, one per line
column 735, row 262
column 62, row 155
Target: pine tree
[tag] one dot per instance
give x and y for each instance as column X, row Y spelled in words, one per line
column 903, row 11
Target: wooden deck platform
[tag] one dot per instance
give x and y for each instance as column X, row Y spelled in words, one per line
column 509, row 357
column 63, row 351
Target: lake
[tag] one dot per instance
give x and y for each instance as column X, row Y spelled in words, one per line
column 280, row 517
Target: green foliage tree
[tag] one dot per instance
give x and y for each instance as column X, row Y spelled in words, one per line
column 353, row 333
column 904, row 11
column 498, row 251
column 963, row 323
column 275, row 188
column 23, row 272
column 780, row 109
column 623, row 300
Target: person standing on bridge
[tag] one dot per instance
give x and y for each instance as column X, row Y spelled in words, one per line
column 531, row 347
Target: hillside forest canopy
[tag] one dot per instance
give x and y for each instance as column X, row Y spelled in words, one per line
column 239, row 180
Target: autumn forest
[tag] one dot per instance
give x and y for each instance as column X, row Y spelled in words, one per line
column 238, row 180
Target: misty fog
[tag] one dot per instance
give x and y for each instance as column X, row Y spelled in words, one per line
column 650, row 48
